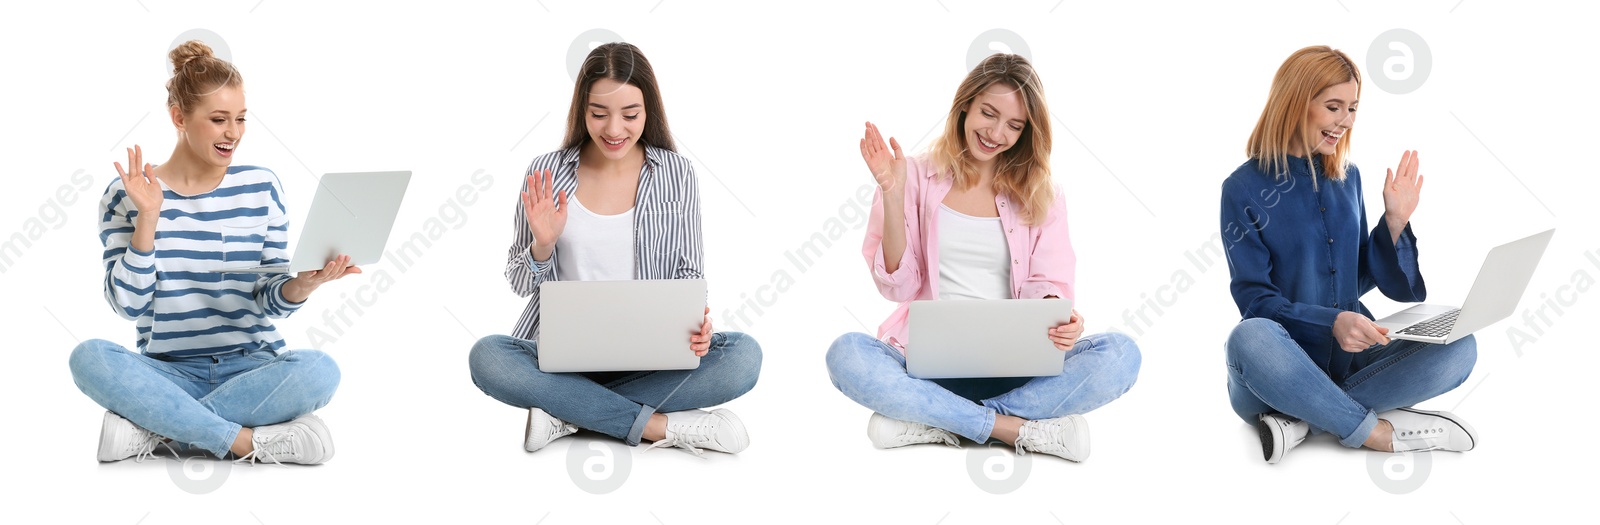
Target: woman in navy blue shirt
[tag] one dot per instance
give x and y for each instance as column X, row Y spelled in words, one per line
column 1307, row 355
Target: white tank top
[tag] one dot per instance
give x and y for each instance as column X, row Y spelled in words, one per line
column 974, row 261
column 595, row 247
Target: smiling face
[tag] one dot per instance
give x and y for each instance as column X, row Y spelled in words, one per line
column 212, row 129
column 1331, row 113
column 994, row 121
column 615, row 117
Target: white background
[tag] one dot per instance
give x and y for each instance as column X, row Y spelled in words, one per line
column 1153, row 103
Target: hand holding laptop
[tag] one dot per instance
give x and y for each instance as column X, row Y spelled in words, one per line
column 1066, row 335
column 298, row 289
column 701, row 343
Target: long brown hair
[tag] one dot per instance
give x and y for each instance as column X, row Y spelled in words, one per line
column 1023, row 170
column 1301, row 77
column 622, row 62
column 197, row 73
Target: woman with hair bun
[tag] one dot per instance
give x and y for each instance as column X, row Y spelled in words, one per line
column 212, row 371
column 977, row 217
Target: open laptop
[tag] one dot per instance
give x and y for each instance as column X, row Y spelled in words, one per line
column 351, row 214
column 614, row 326
column 1500, row 283
column 985, row 338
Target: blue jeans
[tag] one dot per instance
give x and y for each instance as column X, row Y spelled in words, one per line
column 1098, row 369
column 615, row 404
column 1268, row 372
column 203, row 401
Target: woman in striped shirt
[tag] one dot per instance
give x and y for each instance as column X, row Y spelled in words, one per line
column 615, row 203
column 977, row 218
column 211, row 371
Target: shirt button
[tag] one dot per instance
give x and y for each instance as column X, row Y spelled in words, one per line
column 1335, row 305
column 1014, row 261
column 1324, row 210
column 1333, row 270
column 1330, row 241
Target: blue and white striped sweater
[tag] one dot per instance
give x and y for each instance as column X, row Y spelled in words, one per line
column 179, row 306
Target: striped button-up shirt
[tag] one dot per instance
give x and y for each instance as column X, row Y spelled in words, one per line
column 666, row 230
column 181, row 304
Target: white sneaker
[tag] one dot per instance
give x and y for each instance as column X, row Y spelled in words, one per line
column 1067, row 437
column 1279, row 433
column 303, row 440
column 121, row 439
column 888, row 432
column 1419, row 430
column 544, row 428
column 693, row 430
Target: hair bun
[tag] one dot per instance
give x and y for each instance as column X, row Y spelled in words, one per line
column 188, row 52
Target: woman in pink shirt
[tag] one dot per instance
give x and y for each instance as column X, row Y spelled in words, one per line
column 977, row 217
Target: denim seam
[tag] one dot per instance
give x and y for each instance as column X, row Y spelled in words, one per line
column 1364, row 375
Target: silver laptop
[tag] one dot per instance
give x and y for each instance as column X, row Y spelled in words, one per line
column 351, row 214
column 1500, row 283
column 614, row 326
column 985, row 338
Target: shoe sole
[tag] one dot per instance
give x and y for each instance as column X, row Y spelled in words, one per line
column 324, row 438
column 1269, row 439
column 527, row 432
column 107, row 438
column 875, row 426
column 1472, row 435
column 1080, row 426
column 728, row 418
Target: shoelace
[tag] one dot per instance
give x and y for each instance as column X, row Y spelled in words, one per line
column 686, row 437
column 562, row 429
column 269, row 448
column 936, row 435
column 1025, row 438
column 146, row 448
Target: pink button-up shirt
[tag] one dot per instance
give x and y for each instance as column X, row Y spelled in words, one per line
column 1042, row 262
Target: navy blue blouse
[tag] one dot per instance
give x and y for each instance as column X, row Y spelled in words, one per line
column 1299, row 254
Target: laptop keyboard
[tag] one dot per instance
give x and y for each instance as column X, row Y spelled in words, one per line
column 1436, row 326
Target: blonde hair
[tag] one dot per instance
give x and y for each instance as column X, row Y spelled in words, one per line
column 197, row 73
column 1301, row 77
column 1023, row 171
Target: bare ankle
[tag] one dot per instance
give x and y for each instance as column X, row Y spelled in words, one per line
column 1382, row 437
column 242, row 443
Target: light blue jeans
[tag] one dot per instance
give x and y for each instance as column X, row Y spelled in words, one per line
column 1098, row 369
column 1268, row 373
column 203, row 401
column 616, row 404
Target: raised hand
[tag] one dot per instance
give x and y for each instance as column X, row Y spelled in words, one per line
column 539, row 206
column 889, row 169
column 1401, row 188
column 141, row 184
